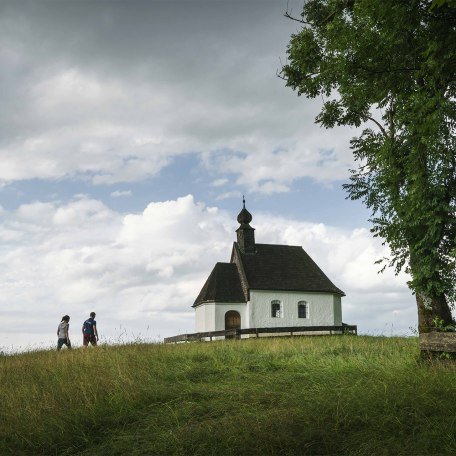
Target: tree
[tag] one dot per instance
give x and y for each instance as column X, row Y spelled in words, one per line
column 390, row 66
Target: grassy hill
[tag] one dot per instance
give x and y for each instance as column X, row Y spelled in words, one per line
column 311, row 395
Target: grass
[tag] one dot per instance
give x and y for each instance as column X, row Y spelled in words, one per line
column 281, row 396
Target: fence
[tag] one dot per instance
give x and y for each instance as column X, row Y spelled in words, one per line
column 264, row 332
column 438, row 342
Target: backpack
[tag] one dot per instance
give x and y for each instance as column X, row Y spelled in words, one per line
column 88, row 326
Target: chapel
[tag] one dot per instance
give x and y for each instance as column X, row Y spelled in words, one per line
column 266, row 286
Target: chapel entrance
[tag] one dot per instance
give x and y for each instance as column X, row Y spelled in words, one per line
column 232, row 321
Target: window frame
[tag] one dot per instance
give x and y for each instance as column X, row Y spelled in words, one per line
column 304, row 304
column 278, row 311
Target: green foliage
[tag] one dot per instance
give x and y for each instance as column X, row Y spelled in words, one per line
column 302, row 395
column 439, row 3
column 391, row 64
column 440, row 325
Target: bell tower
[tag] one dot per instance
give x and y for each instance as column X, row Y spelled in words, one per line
column 245, row 233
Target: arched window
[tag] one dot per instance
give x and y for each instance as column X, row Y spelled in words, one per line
column 303, row 311
column 276, row 309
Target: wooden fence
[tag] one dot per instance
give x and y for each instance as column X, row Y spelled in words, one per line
column 264, row 332
column 435, row 341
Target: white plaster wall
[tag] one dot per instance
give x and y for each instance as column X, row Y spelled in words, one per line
column 321, row 309
column 221, row 309
column 324, row 309
column 205, row 317
column 337, row 310
column 211, row 316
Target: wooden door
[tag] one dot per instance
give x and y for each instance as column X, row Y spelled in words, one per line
column 232, row 321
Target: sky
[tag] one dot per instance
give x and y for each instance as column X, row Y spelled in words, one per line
column 129, row 131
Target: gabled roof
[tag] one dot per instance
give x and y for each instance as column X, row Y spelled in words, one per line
column 223, row 285
column 281, row 268
column 262, row 267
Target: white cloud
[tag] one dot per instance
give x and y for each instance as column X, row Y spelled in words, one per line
column 220, row 182
column 104, row 114
column 232, row 194
column 144, row 270
column 121, row 193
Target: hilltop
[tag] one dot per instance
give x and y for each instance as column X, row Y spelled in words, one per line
column 302, row 395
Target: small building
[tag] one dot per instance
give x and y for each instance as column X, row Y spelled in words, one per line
column 266, row 286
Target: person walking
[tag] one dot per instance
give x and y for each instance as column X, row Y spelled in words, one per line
column 63, row 333
column 89, row 331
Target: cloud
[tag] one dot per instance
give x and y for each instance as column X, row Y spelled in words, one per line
column 115, row 95
column 142, row 271
column 73, row 257
column 232, row 194
column 121, row 193
column 220, row 182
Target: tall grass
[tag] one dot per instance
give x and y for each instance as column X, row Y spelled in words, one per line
column 301, row 395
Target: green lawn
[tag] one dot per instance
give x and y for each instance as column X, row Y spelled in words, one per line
column 303, row 395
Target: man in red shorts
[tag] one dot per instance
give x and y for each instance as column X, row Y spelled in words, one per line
column 89, row 331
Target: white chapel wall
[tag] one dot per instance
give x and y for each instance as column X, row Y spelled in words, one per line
column 223, row 308
column 324, row 309
column 211, row 316
column 321, row 309
column 337, row 310
column 205, row 317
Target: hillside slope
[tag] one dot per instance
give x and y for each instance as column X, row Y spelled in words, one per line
column 302, row 395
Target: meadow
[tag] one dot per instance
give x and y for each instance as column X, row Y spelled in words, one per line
column 342, row 395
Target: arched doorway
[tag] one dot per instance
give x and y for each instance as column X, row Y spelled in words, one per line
column 232, row 321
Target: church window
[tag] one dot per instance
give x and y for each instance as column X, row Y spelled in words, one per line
column 302, row 309
column 276, row 309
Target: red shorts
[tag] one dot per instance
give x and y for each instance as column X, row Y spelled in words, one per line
column 86, row 338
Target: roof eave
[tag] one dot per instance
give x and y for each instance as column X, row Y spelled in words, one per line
column 340, row 292
column 217, row 301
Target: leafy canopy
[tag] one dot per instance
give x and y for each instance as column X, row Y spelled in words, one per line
column 389, row 66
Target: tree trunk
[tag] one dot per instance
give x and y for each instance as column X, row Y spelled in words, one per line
column 436, row 308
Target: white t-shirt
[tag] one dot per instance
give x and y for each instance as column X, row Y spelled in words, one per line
column 62, row 331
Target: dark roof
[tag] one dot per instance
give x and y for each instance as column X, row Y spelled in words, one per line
column 223, row 285
column 283, row 267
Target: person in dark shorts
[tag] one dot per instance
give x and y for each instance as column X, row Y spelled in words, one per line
column 62, row 333
column 89, row 331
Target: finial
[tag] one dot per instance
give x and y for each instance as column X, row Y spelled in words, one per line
column 244, row 217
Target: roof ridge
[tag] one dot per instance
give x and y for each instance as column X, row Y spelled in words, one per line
column 236, row 254
column 281, row 245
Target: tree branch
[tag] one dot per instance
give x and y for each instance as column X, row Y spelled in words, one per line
column 289, row 16
column 279, row 75
column 348, row 4
column 379, row 125
column 387, row 70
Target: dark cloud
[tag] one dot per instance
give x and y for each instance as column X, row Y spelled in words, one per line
column 202, row 72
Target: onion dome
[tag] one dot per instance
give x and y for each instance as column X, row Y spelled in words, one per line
column 244, row 217
column 245, row 233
